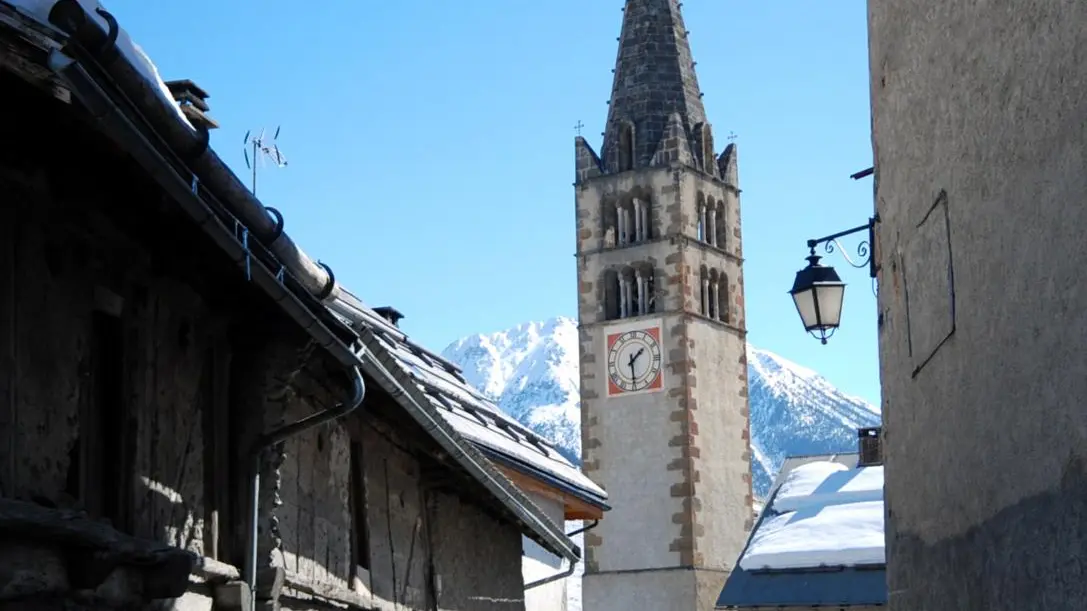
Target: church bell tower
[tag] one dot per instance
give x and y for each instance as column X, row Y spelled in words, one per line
column 664, row 405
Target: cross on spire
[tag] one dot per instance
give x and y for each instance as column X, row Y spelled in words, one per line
column 732, row 136
column 578, row 127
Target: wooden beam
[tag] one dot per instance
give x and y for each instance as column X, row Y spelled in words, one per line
column 573, row 507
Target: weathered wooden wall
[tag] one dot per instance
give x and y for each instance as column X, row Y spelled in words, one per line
column 202, row 369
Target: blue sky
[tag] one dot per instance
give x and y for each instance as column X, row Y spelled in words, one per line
column 431, row 144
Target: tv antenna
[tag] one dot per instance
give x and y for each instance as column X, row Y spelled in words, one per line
column 264, row 150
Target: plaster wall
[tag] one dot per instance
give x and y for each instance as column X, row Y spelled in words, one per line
column 980, row 145
column 538, row 563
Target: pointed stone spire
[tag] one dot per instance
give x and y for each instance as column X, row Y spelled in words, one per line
column 654, row 80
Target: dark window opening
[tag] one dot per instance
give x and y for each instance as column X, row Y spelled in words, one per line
column 723, row 307
column 720, row 237
column 360, row 528
column 611, row 224
column 215, row 407
column 708, row 157
column 626, row 148
column 611, row 295
column 106, row 436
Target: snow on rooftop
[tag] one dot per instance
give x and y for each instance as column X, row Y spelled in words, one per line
column 834, row 535
column 39, row 9
column 498, row 431
column 824, row 514
column 822, row 483
column 478, row 419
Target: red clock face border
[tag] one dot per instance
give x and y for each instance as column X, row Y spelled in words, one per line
column 639, row 349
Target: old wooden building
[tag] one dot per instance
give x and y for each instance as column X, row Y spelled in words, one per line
column 194, row 414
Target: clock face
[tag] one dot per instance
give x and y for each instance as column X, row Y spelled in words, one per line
column 634, row 361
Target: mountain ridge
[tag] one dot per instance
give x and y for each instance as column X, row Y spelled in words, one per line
column 530, row 371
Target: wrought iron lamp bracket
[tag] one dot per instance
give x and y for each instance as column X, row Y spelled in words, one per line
column 865, row 254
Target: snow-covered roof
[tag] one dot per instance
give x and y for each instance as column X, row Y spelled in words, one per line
column 463, row 409
column 132, row 52
column 819, row 540
column 476, row 417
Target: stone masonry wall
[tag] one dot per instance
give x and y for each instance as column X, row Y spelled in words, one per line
column 980, row 144
column 683, row 500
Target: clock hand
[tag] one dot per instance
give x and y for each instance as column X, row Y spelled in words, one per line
column 633, row 359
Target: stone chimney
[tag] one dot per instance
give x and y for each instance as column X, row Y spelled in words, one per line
column 870, row 441
column 193, row 102
column 390, row 314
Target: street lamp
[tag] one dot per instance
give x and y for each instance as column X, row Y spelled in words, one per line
column 818, row 292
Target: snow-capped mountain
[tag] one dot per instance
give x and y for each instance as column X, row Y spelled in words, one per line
column 531, row 372
column 796, row 412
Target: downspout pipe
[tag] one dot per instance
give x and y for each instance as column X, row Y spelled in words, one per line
column 568, row 570
column 162, row 117
column 117, row 126
column 270, row 439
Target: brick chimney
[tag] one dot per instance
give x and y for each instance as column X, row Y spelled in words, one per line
column 870, row 442
column 390, row 314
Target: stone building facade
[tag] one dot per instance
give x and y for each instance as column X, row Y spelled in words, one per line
column 661, row 310
column 979, row 131
column 143, row 362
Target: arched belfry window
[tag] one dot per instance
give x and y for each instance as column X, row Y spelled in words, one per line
column 629, row 291
column 611, row 295
column 720, row 225
column 644, row 291
column 710, row 233
column 723, row 308
column 700, row 230
column 628, row 221
column 642, row 219
column 624, row 230
column 704, row 291
column 611, row 223
column 626, row 146
column 714, row 294
column 709, row 163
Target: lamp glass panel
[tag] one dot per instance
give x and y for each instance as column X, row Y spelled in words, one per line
column 830, row 298
column 805, row 306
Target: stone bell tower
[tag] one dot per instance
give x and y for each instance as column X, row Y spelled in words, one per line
column 663, row 360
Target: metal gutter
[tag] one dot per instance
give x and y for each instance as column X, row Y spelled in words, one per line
column 405, row 389
column 70, row 17
column 568, row 570
column 270, row 439
column 118, row 126
column 531, row 471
